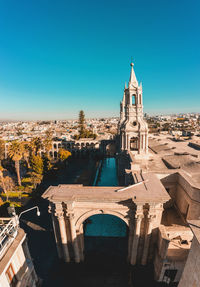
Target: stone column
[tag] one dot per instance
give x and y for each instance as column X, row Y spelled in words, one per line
column 63, row 234
column 143, row 142
column 147, row 240
column 58, row 245
column 136, row 236
column 74, row 238
column 81, row 243
column 130, row 241
column 128, row 142
column 146, row 144
column 122, row 147
column 140, row 143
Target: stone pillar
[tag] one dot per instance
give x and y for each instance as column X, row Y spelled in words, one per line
column 81, row 243
column 58, row 246
column 128, row 142
column 63, row 234
column 74, row 238
column 140, row 143
column 136, row 235
column 147, row 240
column 146, row 147
column 130, row 241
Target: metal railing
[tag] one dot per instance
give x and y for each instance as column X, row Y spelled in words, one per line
column 8, row 232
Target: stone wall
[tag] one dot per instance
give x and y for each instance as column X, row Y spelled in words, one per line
column 191, row 273
column 185, row 194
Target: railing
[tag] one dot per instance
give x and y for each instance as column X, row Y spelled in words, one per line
column 8, row 232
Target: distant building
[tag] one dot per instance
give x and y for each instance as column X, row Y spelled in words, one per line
column 16, row 266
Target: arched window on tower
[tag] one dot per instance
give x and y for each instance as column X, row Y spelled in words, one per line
column 133, row 100
column 134, row 143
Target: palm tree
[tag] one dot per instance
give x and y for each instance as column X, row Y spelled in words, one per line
column 15, row 152
column 26, row 153
column 32, row 146
column 2, row 150
column 2, row 179
column 47, row 142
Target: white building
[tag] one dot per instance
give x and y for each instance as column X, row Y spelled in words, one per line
column 16, row 266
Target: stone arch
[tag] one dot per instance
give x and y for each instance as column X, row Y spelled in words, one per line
column 87, row 214
column 134, row 143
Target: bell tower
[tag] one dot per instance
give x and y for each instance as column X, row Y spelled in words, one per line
column 133, row 128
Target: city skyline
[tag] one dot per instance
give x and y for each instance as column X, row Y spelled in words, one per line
column 59, row 58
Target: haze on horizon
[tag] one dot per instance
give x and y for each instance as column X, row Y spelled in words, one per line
column 59, row 57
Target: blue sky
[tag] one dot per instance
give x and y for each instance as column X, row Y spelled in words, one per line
column 57, row 57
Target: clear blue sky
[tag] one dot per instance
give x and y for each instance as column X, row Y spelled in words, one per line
column 57, row 57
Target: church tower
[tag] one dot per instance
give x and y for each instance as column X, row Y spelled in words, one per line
column 133, row 128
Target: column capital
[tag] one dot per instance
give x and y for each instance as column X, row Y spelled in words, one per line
column 59, row 214
column 139, row 216
column 70, row 215
column 151, row 217
column 50, row 209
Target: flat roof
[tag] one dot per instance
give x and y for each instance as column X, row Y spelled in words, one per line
column 151, row 190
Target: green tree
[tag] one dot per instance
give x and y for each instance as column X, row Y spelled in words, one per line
column 81, row 123
column 26, row 154
column 63, row 154
column 2, row 180
column 6, row 183
column 2, row 150
column 35, row 145
column 37, row 164
column 35, row 178
column 46, row 163
column 47, row 142
column 15, row 152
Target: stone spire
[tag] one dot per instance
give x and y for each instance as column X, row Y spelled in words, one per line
column 133, row 81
